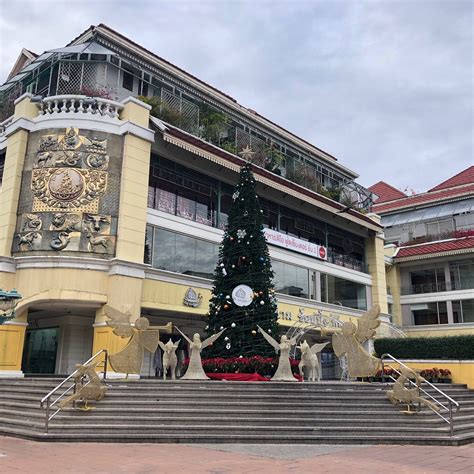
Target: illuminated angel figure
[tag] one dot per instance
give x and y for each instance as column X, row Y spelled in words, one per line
column 283, row 372
column 142, row 336
column 195, row 370
column 309, row 359
column 359, row 362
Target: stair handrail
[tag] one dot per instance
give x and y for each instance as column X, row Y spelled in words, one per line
column 450, row 400
column 47, row 398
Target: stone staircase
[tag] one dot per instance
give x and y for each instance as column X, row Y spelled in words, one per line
column 233, row 412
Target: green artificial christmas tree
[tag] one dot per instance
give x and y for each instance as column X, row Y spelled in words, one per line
column 243, row 294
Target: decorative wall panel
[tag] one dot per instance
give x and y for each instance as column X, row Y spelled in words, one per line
column 70, row 193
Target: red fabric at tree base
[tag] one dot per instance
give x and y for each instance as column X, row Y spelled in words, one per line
column 242, row 377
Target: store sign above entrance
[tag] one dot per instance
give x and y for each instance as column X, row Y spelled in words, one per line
column 292, row 243
column 315, row 319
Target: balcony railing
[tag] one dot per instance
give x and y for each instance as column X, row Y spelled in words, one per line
column 439, row 287
column 80, row 104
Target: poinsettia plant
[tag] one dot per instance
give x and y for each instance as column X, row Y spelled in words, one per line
column 244, row 365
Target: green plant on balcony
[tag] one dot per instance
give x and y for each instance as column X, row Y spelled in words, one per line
column 165, row 112
column 213, row 124
column 275, row 160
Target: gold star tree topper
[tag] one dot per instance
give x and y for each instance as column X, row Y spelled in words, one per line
column 247, row 153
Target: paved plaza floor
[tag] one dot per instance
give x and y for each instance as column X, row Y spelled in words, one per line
column 21, row 456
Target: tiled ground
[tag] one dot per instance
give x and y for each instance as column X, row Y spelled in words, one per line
column 21, row 456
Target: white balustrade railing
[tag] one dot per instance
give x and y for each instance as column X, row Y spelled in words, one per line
column 5, row 124
column 79, row 104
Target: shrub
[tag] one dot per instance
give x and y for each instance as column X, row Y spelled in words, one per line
column 449, row 347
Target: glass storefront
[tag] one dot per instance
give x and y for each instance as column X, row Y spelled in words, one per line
column 171, row 251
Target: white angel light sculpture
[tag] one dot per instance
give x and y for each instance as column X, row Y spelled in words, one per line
column 349, row 343
column 309, row 359
column 195, row 370
column 170, row 361
column 283, row 372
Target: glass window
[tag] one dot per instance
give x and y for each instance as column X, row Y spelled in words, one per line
column 127, row 81
column 290, row 279
column 183, row 254
column 431, row 313
column 344, row 292
column 463, row 311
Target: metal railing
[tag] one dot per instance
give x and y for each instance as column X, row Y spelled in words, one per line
column 446, row 407
column 51, row 404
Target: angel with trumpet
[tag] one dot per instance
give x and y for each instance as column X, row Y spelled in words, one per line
column 142, row 336
column 195, row 370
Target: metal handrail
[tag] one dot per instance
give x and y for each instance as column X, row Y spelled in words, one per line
column 450, row 400
column 47, row 398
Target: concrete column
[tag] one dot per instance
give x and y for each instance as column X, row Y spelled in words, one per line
column 14, row 161
column 134, row 185
column 376, row 262
column 317, row 283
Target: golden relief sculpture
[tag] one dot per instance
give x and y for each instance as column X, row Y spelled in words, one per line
column 349, row 342
column 92, row 390
column 142, row 337
column 400, row 394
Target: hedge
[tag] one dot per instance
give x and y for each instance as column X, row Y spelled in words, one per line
column 449, row 347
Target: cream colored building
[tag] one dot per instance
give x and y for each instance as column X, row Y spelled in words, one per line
column 101, row 202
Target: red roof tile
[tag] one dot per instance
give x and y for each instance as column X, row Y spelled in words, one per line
column 464, row 177
column 435, row 247
column 424, row 198
column 386, row 192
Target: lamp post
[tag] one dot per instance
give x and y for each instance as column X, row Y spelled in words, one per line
column 8, row 302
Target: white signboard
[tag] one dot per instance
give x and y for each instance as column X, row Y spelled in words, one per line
column 242, row 295
column 292, row 243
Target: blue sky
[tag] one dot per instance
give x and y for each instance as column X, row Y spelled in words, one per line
column 385, row 86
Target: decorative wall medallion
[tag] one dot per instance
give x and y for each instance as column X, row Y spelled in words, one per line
column 62, row 221
column 66, row 184
column 31, row 222
column 28, row 241
column 192, row 298
column 67, row 188
column 60, row 241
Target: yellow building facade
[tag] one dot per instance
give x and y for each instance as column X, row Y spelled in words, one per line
column 103, row 201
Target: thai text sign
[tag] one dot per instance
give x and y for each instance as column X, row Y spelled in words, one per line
column 292, row 243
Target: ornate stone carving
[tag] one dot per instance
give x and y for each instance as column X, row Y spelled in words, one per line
column 66, row 222
column 31, row 222
column 67, row 188
column 96, row 223
column 71, row 139
column 28, row 241
column 66, row 184
column 192, row 298
column 60, row 241
column 96, row 242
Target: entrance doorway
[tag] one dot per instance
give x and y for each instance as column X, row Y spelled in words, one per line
column 40, row 351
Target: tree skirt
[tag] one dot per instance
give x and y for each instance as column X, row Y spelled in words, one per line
column 242, row 377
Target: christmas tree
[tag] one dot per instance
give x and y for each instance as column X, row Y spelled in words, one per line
column 243, row 294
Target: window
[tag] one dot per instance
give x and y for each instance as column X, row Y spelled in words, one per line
column 290, row 279
column 430, row 280
column 127, row 81
column 2, row 167
column 430, row 313
column 344, row 292
column 462, row 274
column 183, row 254
column 463, row 311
